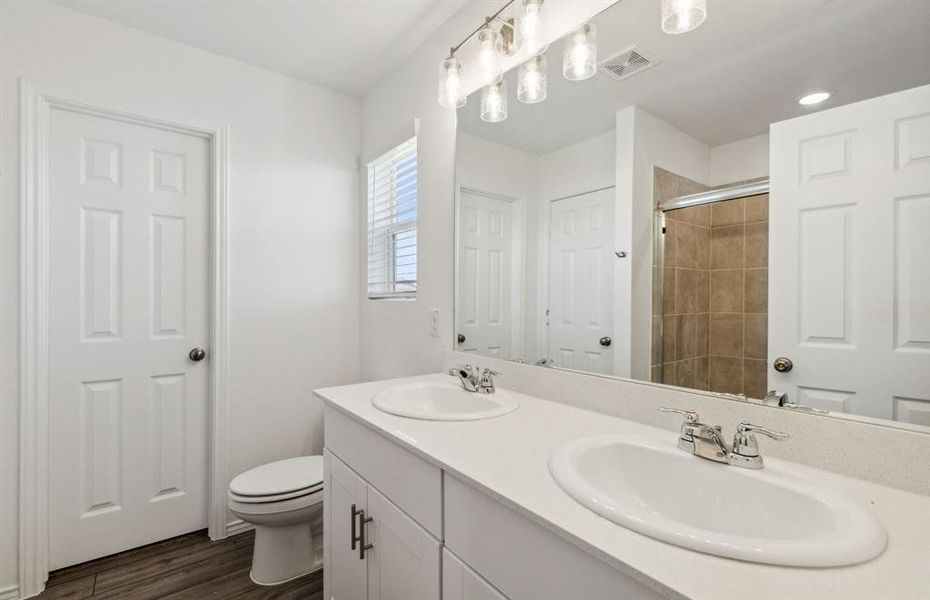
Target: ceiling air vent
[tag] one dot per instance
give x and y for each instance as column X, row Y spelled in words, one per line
column 630, row 61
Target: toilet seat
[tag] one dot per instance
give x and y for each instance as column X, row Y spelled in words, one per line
column 279, row 481
column 248, row 506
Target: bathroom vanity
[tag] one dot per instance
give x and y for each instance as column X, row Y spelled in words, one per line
column 426, row 509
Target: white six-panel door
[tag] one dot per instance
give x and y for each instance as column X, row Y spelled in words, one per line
column 485, row 279
column 128, row 301
column 581, row 281
column 849, row 268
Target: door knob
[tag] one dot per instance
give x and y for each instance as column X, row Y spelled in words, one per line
column 197, row 354
column 460, row 338
column 783, row 364
column 605, row 341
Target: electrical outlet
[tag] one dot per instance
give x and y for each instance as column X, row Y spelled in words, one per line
column 434, row 322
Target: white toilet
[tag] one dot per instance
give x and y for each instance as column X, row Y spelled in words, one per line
column 284, row 500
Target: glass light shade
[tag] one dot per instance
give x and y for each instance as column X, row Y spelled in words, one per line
column 579, row 61
column 529, row 36
column 681, row 16
column 489, row 56
column 451, row 91
column 494, row 102
column 531, row 80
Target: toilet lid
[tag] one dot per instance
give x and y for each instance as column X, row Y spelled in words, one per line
column 281, row 477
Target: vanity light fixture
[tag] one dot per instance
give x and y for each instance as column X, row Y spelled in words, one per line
column 681, row 16
column 531, row 80
column 813, row 98
column 489, row 56
column 451, row 90
column 579, row 61
column 529, row 37
column 494, row 102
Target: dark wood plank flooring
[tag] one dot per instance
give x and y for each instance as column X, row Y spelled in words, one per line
column 187, row 567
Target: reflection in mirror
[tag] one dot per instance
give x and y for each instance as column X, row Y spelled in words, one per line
column 689, row 216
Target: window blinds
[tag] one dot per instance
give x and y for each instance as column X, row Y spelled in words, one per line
column 392, row 223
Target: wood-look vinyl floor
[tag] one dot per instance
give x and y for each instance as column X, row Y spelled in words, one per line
column 187, row 567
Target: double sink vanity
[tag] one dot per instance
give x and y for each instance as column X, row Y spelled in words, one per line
column 435, row 491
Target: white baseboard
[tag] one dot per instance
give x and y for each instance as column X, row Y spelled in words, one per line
column 232, row 528
column 10, row 593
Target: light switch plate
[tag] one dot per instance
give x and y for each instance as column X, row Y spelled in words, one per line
column 434, row 322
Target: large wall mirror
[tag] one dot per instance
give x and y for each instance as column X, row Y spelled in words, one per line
column 690, row 216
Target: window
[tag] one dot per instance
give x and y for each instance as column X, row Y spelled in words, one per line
column 392, row 223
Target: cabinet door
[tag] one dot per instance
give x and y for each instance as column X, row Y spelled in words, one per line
column 461, row 583
column 404, row 561
column 345, row 573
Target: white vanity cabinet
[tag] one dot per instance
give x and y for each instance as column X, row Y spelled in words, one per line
column 433, row 536
column 374, row 550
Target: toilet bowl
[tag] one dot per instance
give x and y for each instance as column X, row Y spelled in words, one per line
column 284, row 501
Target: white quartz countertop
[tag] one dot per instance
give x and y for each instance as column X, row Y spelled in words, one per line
column 507, row 457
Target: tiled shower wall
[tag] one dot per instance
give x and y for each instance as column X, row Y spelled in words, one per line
column 684, row 359
column 738, row 340
column 714, row 326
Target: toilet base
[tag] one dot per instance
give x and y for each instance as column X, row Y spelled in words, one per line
column 282, row 554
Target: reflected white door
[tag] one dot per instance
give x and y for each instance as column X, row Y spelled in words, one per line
column 850, row 257
column 128, row 301
column 581, row 281
column 485, row 279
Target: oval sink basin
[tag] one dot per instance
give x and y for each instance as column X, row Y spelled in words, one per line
column 434, row 401
column 766, row 516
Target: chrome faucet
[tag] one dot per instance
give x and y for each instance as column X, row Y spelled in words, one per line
column 474, row 379
column 707, row 441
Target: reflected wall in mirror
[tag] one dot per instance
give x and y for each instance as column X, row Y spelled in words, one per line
column 683, row 218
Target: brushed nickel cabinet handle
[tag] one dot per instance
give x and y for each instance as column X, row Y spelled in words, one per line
column 355, row 537
column 363, row 546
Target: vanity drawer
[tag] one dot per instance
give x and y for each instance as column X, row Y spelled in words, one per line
column 410, row 482
column 522, row 559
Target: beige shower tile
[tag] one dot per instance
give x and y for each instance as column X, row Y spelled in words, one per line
column 756, row 208
column 691, row 337
column 669, row 336
column 669, row 293
column 692, row 246
column 726, row 335
column 684, row 373
column 754, row 378
column 726, row 213
column 656, row 374
column 755, row 335
column 700, row 373
column 691, row 291
column 726, row 291
column 656, row 340
column 671, row 243
column 695, row 215
column 725, row 374
column 756, row 290
column 757, row 245
column 726, row 247
column 664, row 185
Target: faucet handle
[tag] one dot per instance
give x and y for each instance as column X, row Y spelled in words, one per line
column 489, row 373
column 690, row 415
column 745, row 443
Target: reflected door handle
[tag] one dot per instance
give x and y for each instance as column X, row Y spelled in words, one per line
column 197, row 354
column 605, row 341
column 460, row 338
column 783, row 364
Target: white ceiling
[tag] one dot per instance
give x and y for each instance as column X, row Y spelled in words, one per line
column 346, row 45
column 743, row 69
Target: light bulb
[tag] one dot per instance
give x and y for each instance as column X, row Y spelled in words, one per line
column 813, row 98
column 529, row 36
column 494, row 102
column 579, row 60
column 681, row 16
column 489, row 57
column 451, row 92
column 531, row 82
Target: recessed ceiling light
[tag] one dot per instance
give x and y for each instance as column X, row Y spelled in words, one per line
column 813, row 98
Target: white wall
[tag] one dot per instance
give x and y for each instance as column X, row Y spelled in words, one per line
column 395, row 337
column 582, row 167
column 293, row 221
column 740, row 160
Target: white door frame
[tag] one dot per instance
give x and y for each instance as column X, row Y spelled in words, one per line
column 517, row 262
column 36, row 103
